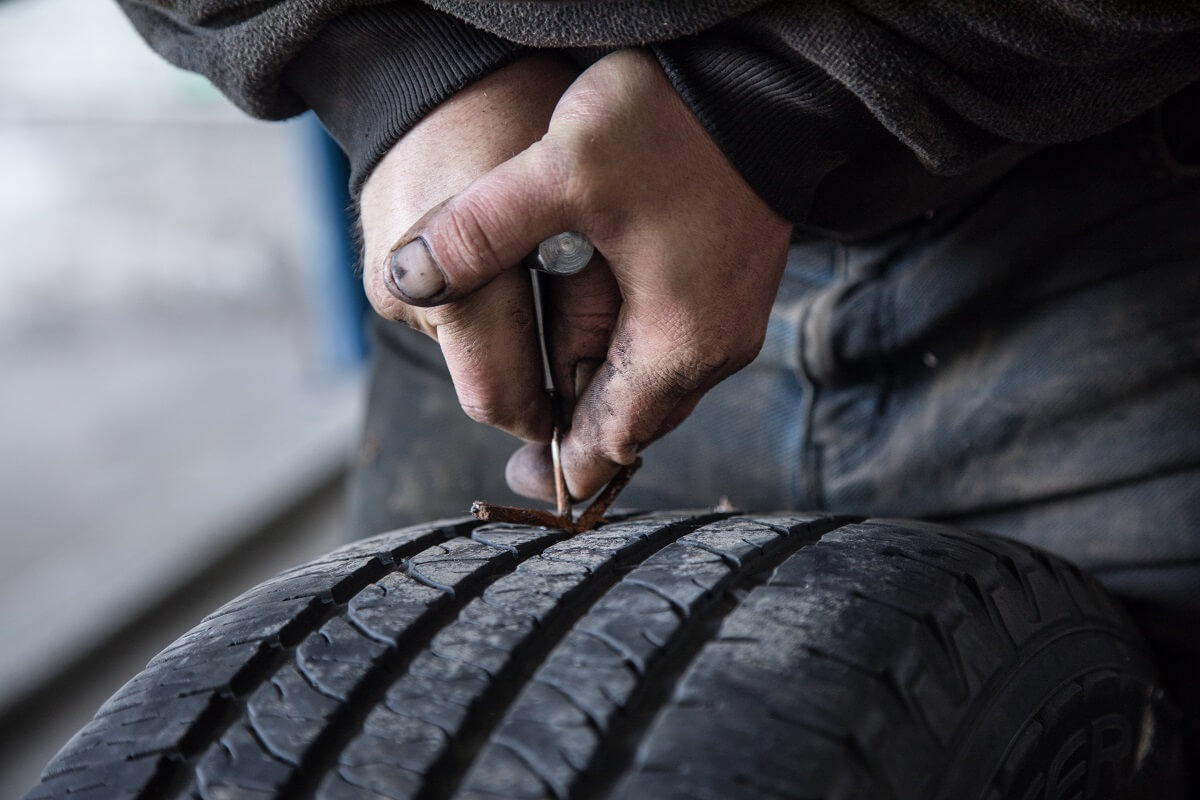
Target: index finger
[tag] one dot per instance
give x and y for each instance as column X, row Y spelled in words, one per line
column 649, row 383
column 489, row 340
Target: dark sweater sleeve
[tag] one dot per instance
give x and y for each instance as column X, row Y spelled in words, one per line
column 823, row 106
column 369, row 70
column 373, row 73
column 842, row 114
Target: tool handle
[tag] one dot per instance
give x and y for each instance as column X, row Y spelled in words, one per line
column 563, row 254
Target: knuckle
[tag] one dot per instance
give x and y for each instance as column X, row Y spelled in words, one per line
column 446, row 315
column 480, row 401
column 752, row 348
column 484, row 414
column 477, row 318
column 691, row 366
column 590, row 324
column 582, row 189
column 386, row 306
column 719, row 348
column 391, row 308
column 620, row 446
column 496, row 410
column 416, row 319
column 571, row 168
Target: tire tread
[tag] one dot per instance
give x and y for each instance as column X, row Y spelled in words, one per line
column 642, row 659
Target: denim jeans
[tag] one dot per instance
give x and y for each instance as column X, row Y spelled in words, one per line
column 1025, row 362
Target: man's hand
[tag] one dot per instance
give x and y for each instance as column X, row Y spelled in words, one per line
column 485, row 336
column 691, row 261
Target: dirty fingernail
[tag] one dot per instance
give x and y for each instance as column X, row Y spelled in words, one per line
column 416, row 276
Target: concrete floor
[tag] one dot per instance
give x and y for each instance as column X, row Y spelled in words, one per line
column 34, row 729
column 164, row 397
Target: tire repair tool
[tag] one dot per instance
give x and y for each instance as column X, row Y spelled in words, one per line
column 562, row 255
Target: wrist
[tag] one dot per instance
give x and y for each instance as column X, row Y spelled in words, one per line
column 372, row 73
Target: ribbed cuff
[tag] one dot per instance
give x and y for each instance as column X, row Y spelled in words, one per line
column 373, row 73
column 782, row 122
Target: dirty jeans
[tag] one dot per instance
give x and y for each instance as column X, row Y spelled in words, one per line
column 1026, row 362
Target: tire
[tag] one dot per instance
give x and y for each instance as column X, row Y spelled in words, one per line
column 700, row 656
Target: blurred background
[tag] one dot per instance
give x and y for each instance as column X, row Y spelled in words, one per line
column 180, row 359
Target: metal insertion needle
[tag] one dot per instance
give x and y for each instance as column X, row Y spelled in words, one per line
column 561, row 495
column 561, row 255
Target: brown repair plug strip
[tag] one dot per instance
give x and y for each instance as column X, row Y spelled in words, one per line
column 592, row 516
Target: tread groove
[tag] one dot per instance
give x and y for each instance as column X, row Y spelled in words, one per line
column 308, row 678
column 483, row 540
column 676, row 606
column 256, row 735
column 630, row 659
column 530, row 761
column 416, row 574
column 367, row 633
column 596, row 723
column 728, row 558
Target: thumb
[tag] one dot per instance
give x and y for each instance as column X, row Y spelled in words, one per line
column 470, row 238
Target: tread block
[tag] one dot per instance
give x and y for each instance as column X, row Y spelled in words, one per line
column 335, row 659
column 405, row 738
column 518, row 539
column 377, row 780
column 237, row 627
column 185, row 675
column 288, row 713
column 388, row 607
column 130, row 733
column 451, row 562
column 118, row 780
column 239, row 766
column 448, row 683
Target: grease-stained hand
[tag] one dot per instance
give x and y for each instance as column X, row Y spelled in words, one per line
column 690, row 263
column 485, row 335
